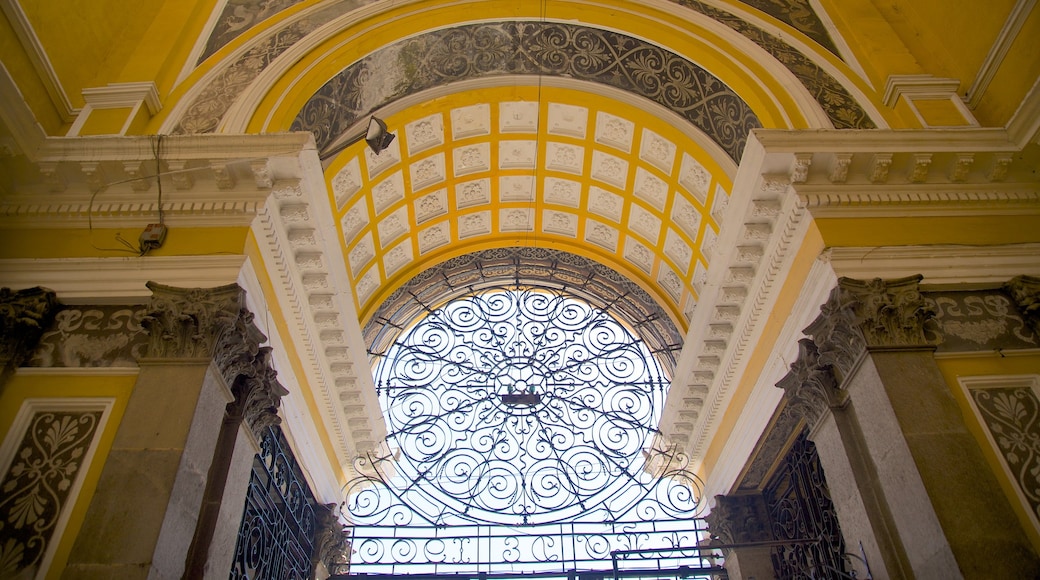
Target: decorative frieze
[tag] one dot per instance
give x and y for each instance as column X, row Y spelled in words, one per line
column 24, row 315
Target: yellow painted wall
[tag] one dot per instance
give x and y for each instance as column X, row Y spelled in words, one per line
column 103, row 242
column 69, row 384
column 984, row 364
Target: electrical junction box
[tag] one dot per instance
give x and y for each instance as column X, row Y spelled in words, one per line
column 153, row 236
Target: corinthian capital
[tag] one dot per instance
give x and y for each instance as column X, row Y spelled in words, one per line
column 875, row 313
column 257, row 393
column 738, row 519
column 810, row 387
column 191, row 322
column 24, row 315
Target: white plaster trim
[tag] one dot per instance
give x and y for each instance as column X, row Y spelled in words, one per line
column 886, row 140
column 1008, row 33
column 16, row 114
column 14, row 437
column 38, row 56
column 765, row 396
column 1024, row 125
column 201, row 42
column 117, row 96
column 299, row 426
column 917, row 200
column 1031, row 381
column 117, row 280
column 844, row 50
column 927, row 87
column 944, row 265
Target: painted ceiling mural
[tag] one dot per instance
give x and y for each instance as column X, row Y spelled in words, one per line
column 528, row 48
column 207, row 109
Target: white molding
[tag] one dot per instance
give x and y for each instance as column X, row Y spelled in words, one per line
column 118, row 280
column 118, row 96
column 1030, row 381
column 17, row 115
column 927, row 87
column 982, row 266
column 300, row 427
column 1024, row 125
column 38, row 56
column 13, row 438
column 765, row 396
column 974, row 139
column 201, row 42
column 1007, row 35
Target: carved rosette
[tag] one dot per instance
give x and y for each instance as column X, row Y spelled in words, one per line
column 739, row 519
column 24, row 315
column 1025, row 291
column 331, row 541
column 810, row 387
column 214, row 323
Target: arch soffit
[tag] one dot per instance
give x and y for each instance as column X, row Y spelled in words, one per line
column 600, row 285
column 786, row 84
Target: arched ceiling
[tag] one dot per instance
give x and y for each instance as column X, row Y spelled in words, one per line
column 609, row 129
column 530, row 166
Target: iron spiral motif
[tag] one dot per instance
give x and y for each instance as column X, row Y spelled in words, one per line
column 520, row 406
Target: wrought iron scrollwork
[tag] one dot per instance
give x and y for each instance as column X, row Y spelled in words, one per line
column 528, row 418
column 276, row 539
column 800, row 508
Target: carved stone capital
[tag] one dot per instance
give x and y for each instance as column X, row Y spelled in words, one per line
column 875, row 313
column 1025, row 291
column 738, row 519
column 257, row 393
column 24, row 315
column 191, row 322
column 810, row 386
column 331, row 541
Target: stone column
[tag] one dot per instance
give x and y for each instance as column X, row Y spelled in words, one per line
column 741, row 521
column 909, row 482
column 24, row 315
column 142, row 519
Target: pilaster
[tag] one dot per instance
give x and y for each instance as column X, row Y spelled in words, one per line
column 910, row 482
column 203, row 354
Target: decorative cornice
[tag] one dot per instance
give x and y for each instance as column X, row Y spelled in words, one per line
column 940, row 265
column 738, row 519
column 1025, row 290
column 24, row 315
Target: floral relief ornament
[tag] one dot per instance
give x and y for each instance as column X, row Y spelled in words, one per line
column 38, row 483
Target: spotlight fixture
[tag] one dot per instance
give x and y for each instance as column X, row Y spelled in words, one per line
column 377, row 137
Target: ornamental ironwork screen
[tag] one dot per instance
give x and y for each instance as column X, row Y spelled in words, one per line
column 522, row 426
column 276, row 537
column 800, row 508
